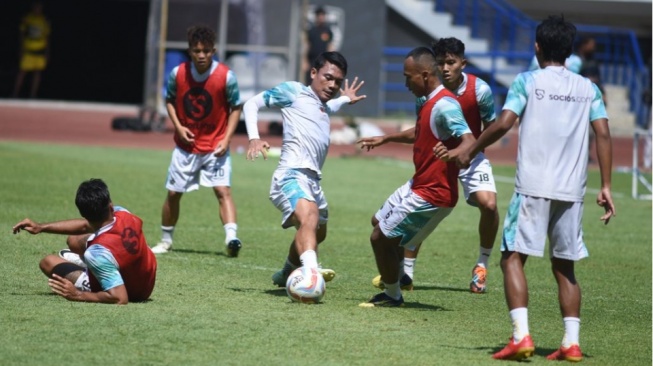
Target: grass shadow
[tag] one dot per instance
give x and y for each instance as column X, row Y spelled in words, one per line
column 279, row 292
column 441, row 288
column 194, row 251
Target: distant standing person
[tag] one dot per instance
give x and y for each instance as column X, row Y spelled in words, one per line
column 203, row 102
column 319, row 38
column 117, row 265
column 34, row 48
column 555, row 109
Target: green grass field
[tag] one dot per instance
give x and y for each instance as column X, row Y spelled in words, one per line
column 210, row 309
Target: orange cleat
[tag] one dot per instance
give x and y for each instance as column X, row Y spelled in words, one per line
column 516, row 351
column 571, row 354
column 477, row 285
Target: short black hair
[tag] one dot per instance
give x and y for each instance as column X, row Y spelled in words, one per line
column 445, row 46
column 319, row 10
column 555, row 37
column 332, row 57
column 93, row 199
column 200, row 34
column 423, row 56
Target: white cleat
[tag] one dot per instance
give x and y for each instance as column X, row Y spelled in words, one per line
column 72, row 257
column 162, row 247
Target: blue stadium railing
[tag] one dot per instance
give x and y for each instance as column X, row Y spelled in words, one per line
column 511, row 36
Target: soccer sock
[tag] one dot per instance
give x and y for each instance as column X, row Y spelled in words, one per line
column 309, row 259
column 409, row 267
column 393, row 290
column 572, row 330
column 484, row 255
column 519, row 317
column 230, row 231
column 289, row 266
column 166, row 233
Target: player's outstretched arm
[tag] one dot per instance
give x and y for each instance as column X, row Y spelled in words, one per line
column 604, row 155
column 406, row 137
column 66, row 227
column 351, row 90
column 489, row 136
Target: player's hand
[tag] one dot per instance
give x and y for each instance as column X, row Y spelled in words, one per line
column 370, row 143
column 256, row 146
column 604, row 199
column 63, row 287
column 27, row 225
column 222, row 148
column 351, row 90
column 442, row 152
column 185, row 135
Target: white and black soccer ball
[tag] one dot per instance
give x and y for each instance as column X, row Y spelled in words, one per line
column 305, row 285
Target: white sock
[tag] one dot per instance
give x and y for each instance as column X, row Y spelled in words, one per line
column 572, row 330
column 289, row 266
column 393, row 290
column 409, row 266
column 519, row 317
column 230, row 232
column 166, row 233
column 309, row 259
column 483, row 256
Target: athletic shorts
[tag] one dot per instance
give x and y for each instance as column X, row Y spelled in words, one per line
column 33, row 62
column 290, row 185
column 478, row 177
column 188, row 171
column 407, row 215
column 530, row 220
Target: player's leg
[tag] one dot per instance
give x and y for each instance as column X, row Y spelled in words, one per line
column 75, row 250
column 216, row 173
column 480, row 191
column 183, row 176
column 53, row 264
column 36, row 80
column 566, row 247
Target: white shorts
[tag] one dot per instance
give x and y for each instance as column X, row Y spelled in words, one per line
column 188, row 171
column 407, row 215
column 531, row 219
column 478, row 177
column 289, row 186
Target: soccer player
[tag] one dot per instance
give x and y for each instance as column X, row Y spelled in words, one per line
column 555, row 108
column 35, row 49
column 415, row 209
column 477, row 103
column 203, row 102
column 295, row 188
column 117, row 265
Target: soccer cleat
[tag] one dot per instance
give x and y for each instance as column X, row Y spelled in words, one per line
column 327, row 274
column 72, row 257
column 477, row 285
column 405, row 283
column 162, row 247
column 383, row 300
column 233, row 247
column 280, row 277
column 516, row 351
column 571, row 354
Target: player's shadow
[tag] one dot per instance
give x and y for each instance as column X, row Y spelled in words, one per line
column 193, row 251
column 279, row 292
column 441, row 288
column 424, row 307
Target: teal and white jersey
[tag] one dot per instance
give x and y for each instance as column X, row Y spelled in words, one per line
column 555, row 107
column 233, row 93
column 573, row 63
column 306, row 123
column 102, row 263
column 484, row 98
column 447, row 118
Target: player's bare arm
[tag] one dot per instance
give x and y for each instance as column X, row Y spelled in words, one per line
column 489, row 136
column 67, row 290
column 232, row 122
column 404, row 137
column 351, row 90
column 257, row 146
column 66, row 227
column 604, row 155
column 185, row 135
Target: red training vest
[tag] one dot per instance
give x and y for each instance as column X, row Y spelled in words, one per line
column 469, row 105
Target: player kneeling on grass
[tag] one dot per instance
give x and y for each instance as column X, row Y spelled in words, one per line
column 415, row 209
column 555, row 108
column 295, row 188
column 117, row 265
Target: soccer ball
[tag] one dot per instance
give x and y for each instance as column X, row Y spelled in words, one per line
column 305, row 285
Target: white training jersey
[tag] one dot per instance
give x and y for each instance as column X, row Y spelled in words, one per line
column 306, row 124
column 555, row 107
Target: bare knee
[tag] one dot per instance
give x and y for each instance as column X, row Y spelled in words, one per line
column 48, row 263
column 222, row 192
column 174, row 197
